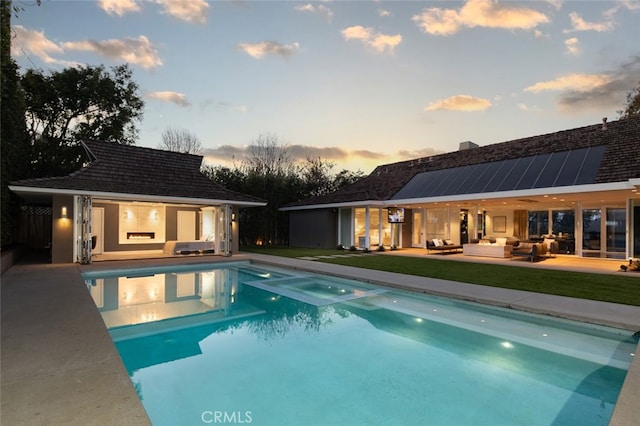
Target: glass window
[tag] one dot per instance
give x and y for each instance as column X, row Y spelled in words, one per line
column 616, row 233
column 563, row 227
column 386, row 228
column 591, row 230
column 538, row 223
column 359, row 227
column 374, row 227
column 436, row 223
column 563, row 222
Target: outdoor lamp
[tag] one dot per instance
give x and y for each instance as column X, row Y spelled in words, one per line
column 63, row 212
column 233, row 217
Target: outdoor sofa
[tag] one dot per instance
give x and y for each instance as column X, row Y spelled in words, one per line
column 442, row 246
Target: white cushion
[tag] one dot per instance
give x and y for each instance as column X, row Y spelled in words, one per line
column 501, row 241
column 436, row 242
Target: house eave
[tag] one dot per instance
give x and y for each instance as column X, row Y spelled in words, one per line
column 577, row 189
column 365, row 203
column 33, row 191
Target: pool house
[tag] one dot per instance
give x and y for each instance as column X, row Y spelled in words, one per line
column 135, row 201
column 578, row 187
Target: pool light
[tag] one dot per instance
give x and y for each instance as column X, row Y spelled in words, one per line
column 507, row 345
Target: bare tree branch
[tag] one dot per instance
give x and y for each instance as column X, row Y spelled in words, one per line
column 180, row 140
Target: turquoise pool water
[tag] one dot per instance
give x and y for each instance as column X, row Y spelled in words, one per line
column 240, row 343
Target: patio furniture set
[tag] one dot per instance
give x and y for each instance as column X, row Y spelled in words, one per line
column 497, row 247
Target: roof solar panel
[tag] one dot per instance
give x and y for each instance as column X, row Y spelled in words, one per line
column 452, row 181
column 484, row 174
column 534, row 169
column 575, row 167
column 441, row 181
column 511, row 179
column 571, row 170
column 590, row 166
column 551, row 170
column 502, row 168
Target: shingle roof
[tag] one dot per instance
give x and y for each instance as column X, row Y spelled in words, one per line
column 126, row 169
column 620, row 161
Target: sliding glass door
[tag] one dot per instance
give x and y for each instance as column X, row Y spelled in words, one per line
column 604, row 233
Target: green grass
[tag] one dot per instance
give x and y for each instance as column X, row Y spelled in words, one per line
column 618, row 288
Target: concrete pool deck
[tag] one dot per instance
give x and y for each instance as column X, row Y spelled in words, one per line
column 60, row 366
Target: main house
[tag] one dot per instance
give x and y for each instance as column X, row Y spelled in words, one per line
column 138, row 201
column 579, row 186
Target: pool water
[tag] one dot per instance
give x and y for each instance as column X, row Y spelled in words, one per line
column 269, row 346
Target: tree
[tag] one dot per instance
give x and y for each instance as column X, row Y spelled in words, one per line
column 266, row 156
column 180, row 140
column 315, row 174
column 346, row 177
column 269, row 173
column 14, row 141
column 76, row 104
column 632, row 107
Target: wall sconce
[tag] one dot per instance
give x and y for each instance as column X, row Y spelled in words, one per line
column 233, row 217
column 63, row 212
column 126, row 214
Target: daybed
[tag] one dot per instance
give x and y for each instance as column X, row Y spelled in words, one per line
column 442, row 246
column 188, row 247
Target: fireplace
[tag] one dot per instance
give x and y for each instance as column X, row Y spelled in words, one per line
column 141, row 236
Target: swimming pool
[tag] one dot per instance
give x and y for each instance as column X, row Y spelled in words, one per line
column 241, row 343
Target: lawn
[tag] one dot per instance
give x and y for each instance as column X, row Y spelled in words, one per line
column 619, row 288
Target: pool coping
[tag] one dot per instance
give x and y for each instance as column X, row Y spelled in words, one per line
column 55, row 357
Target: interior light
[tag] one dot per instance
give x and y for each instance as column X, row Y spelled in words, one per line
column 63, row 212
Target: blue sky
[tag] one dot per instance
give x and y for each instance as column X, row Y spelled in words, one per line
column 357, row 83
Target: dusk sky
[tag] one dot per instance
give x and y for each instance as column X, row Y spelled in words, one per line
column 357, row 83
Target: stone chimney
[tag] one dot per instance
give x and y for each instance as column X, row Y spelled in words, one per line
column 604, row 123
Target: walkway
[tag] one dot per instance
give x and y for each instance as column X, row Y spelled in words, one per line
column 59, row 365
